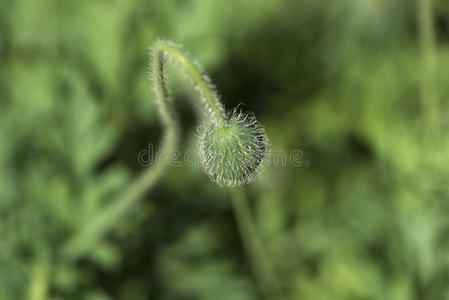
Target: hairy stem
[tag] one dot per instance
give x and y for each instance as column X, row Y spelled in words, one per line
column 93, row 231
column 201, row 82
column 262, row 268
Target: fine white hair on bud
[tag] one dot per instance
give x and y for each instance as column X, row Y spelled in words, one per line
column 232, row 152
column 233, row 146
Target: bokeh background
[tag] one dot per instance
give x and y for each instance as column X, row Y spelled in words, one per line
column 359, row 86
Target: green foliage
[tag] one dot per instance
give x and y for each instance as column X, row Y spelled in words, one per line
column 352, row 84
column 193, row 267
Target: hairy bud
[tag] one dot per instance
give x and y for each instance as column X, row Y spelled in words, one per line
column 232, row 152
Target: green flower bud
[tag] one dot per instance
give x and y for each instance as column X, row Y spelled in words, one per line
column 233, row 151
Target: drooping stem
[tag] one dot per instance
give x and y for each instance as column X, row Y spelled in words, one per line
column 201, row 82
column 262, row 268
column 93, row 231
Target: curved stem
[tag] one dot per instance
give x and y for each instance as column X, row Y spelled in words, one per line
column 91, row 232
column 262, row 268
column 201, row 82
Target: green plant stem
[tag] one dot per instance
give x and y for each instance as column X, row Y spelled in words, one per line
column 94, row 230
column 429, row 93
column 38, row 288
column 199, row 80
column 262, row 268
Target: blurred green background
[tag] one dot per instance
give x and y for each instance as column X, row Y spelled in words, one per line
column 359, row 86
